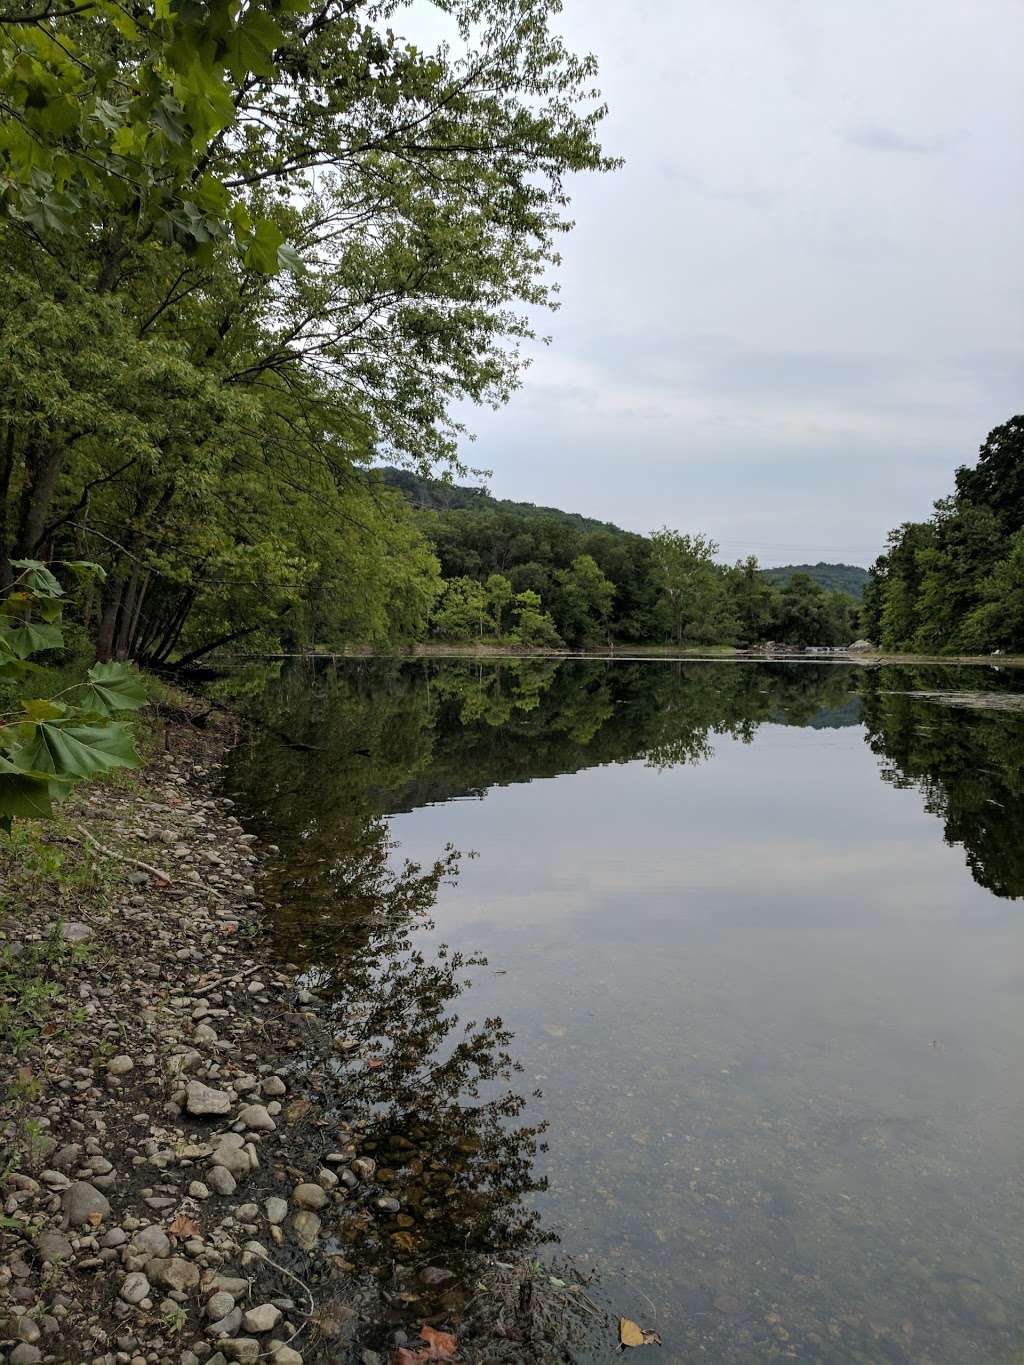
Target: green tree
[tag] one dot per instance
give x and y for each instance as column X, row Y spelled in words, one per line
column 692, row 594
column 584, row 602
column 533, row 626
column 499, row 595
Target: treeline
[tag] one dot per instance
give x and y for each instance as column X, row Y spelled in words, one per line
column 955, row 583
column 540, row 577
column 245, row 251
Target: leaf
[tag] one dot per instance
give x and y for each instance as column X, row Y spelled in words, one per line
column 78, row 749
column 261, row 251
column 24, row 793
column 37, row 577
column 632, row 1334
column 183, row 1227
column 84, row 568
column 289, row 259
column 31, row 637
column 113, row 687
column 441, row 1345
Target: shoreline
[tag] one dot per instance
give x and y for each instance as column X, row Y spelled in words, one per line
column 184, row 1149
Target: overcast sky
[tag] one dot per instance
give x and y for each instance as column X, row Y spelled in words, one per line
column 800, row 303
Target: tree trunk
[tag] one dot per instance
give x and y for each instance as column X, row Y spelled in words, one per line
column 43, row 462
column 6, row 470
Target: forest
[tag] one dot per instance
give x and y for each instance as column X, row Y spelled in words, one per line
column 955, row 583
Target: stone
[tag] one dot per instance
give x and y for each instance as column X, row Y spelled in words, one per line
column 284, row 1355
column 116, row 1237
column 388, row 1205
column 306, row 1229
column 74, row 931
column 309, row 1196
column 152, row 1241
column 364, row 1167
column 434, row 1274
column 228, row 1325
column 255, row 1116
column 203, row 1101
column 83, row 1203
column 27, row 1329
column 53, row 1246
column 135, row 1288
column 273, row 1086
column 263, row 1318
column 120, row 1065
column 198, row 1190
column 175, row 1273
column 220, row 1180
column 219, row 1305
column 25, row 1355
column 276, row 1210
column 244, row 1350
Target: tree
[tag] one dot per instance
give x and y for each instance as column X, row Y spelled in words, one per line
column 751, row 597
column 584, row 601
column 461, row 610
column 997, row 480
column 499, row 595
column 692, row 597
column 533, row 627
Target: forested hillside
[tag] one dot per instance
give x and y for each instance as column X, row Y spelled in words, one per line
column 955, row 583
column 847, row 578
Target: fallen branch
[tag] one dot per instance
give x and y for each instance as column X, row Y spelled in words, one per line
column 124, row 857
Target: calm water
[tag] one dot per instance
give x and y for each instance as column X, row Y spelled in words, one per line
column 756, row 933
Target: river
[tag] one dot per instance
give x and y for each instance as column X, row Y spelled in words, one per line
column 753, row 934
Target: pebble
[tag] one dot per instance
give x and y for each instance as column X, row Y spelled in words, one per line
column 120, row 1065
column 276, row 1210
column 74, row 931
column 82, row 1202
column 244, row 1350
column 135, row 1288
column 152, row 1241
column 255, row 1116
column 24, row 1354
column 220, row 1180
column 203, row 1101
column 219, row 1305
column 263, row 1318
column 175, row 1273
column 309, row 1196
column 198, row 1190
column 306, row 1228
column 53, row 1246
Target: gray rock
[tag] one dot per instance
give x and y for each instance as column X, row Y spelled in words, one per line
column 263, row 1318
column 434, row 1274
column 74, row 931
column 137, row 878
column 27, row 1329
column 276, row 1209
column 116, row 1237
column 220, row 1179
column 244, row 1350
column 309, row 1196
column 82, row 1202
column 219, row 1305
column 198, row 1190
column 285, row 1355
column 65, row 1157
column 273, row 1086
column 53, row 1246
column 120, row 1065
column 255, row 1116
column 152, row 1241
column 135, row 1288
column 203, row 1100
column 25, row 1355
column 306, row 1229
column 175, row 1273
column 228, row 1325
column 388, row 1205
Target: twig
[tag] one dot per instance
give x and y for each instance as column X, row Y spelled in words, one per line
column 228, row 980
column 302, row 1285
column 124, row 858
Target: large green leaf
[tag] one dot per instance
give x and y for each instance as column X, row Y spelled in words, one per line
column 27, row 792
column 30, row 638
column 113, row 687
column 84, row 568
column 75, row 748
column 36, row 577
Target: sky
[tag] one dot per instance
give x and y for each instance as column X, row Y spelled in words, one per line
column 800, row 304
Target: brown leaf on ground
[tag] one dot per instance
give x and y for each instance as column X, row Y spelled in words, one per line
column 441, row 1345
column 632, row 1334
column 183, row 1227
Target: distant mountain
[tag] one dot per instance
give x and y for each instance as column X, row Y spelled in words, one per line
column 434, row 495
column 848, row 578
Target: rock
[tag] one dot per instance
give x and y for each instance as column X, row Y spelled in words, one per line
column 25, row 1355
column 727, row 1303
column 219, row 1305
column 198, row 1190
column 203, row 1101
column 220, row 1180
column 231, row 1153
column 433, row 1274
column 116, row 1237
column 228, row 1325
column 120, row 1065
column 65, row 1157
column 387, row 1205
column 276, row 1210
column 83, row 1203
column 135, row 1288
column 306, row 1229
column 175, row 1273
column 74, row 931
column 309, row 1196
column 27, row 1329
column 284, row 1355
column 137, row 878
column 53, row 1246
column 263, row 1318
column 244, row 1350
column 364, row 1167
column 152, row 1241
column 273, row 1086
column 255, row 1116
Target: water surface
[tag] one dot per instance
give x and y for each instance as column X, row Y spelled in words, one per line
column 756, row 933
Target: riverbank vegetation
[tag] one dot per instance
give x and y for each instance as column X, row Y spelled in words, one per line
column 954, row 584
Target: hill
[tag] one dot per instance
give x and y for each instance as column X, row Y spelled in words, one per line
column 434, row 495
column 848, row 578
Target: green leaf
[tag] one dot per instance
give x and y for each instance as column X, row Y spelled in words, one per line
column 72, row 749
column 30, row 638
column 261, row 252
column 36, row 577
column 289, row 259
column 113, row 687
column 84, row 568
column 251, row 45
column 24, row 793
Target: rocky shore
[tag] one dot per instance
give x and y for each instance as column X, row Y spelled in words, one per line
column 166, row 1173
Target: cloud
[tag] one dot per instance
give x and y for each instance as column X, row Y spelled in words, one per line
column 876, row 138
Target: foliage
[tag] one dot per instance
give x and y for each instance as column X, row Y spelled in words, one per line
column 953, row 583
column 47, row 746
column 849, row 579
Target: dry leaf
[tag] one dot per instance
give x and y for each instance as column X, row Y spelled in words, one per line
column 632, row 1334
column 183, row 1227
column 374, row 1062
column 441, row 1345
column 95, row 1219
